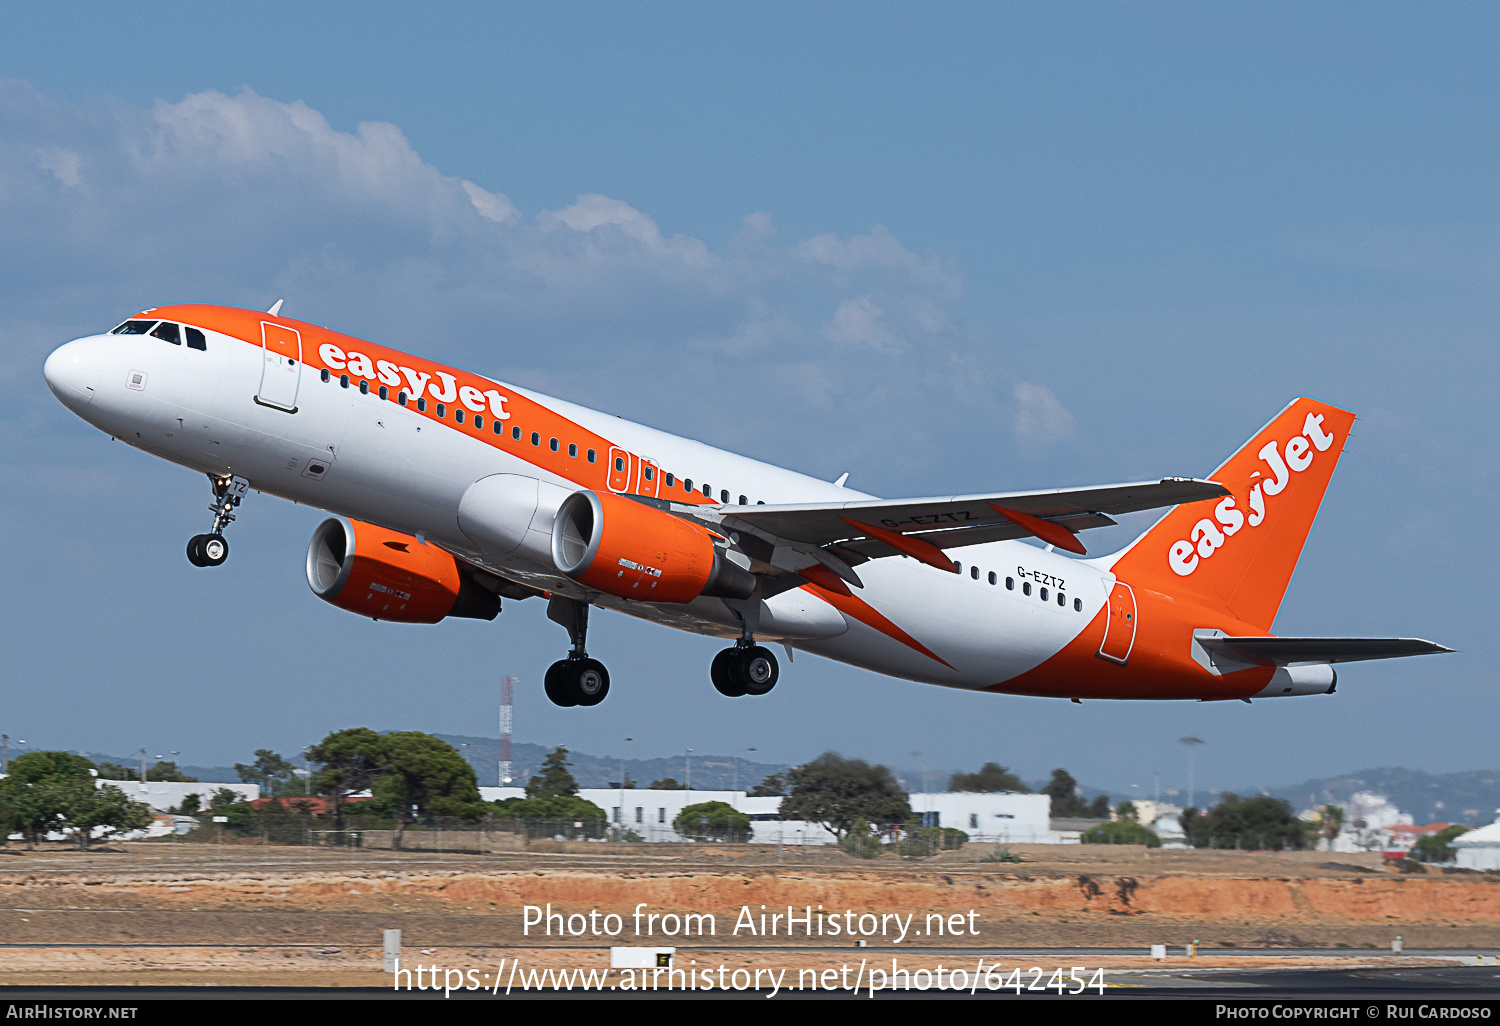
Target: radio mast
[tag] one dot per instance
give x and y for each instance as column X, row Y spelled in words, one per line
column 506, row 719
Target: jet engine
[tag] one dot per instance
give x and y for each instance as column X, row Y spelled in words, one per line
column 635, row 551
column 384, row 575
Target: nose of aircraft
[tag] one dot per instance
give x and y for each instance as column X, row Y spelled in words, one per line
column 72, row 372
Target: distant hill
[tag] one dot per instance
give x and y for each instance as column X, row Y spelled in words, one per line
column 709, row 772
column 1471, row 797
column 207, row 774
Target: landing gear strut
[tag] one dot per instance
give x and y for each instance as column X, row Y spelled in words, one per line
column 576, row 680
column 211, row 549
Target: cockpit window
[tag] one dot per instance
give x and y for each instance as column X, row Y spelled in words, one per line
column 195, row 339
column 133, row 328
column 167, row 332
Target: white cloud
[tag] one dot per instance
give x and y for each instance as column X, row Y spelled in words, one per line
column 1039, row 415
column 858, row 322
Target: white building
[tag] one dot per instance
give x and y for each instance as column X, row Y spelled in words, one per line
column 162, row 795
column 1478, row 849
column 1005, row 817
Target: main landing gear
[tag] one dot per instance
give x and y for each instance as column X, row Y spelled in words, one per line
column 576, row 680
column 745, row 669
column 211, row 549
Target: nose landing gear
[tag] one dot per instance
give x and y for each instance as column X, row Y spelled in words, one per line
column 745, row 669
column 576, row 680
column 212, row 549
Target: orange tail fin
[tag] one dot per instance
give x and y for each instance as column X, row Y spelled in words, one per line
column 1239, row 553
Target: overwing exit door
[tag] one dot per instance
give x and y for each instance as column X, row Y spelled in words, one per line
column 281, row 366
column 1119, row 631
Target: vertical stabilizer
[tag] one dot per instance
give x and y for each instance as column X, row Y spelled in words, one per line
column 1239, row 553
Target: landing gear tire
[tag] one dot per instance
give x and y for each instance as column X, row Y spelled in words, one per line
column 572, row 682
column 754, row 669
column 195, row 550
column 718, row 671
column 213, row 548
column 553, row 685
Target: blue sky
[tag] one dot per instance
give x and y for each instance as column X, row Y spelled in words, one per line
column 943, row 247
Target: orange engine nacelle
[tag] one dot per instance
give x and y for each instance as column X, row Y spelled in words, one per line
column 389, row 576
column 636, row 551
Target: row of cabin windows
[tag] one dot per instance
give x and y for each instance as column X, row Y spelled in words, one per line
column 649, row 473
column 1043, row 593
column 459, row 415
column 167, row 331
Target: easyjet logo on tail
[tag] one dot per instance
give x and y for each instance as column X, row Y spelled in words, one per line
column 1283, row 461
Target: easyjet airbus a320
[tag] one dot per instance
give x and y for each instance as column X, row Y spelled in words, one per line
column 454, row 491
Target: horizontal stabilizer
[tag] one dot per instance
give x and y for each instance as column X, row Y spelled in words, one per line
column 1283, row 651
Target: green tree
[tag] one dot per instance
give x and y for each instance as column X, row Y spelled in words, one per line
column 861, row 841
column 774, row 786
column 1250, row 824
column 719, row 821
column 666, row 784
column 1067, row 803
column 555, row 780
column 86, row 808
column 166, row 769
column 835, row 792
column 1329, row 824
column 1126, row 811
column 37, row 766
column 555, row 815
column 31, row 808
column 223, row 798
column 273, row 773
column 1124, row 831
column 351, row 761
column 992, row 777
column 116, row 771
column 190, row 805
column 422, row 774
column 1438, row 847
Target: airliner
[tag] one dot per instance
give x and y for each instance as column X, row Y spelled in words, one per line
column 452, row 492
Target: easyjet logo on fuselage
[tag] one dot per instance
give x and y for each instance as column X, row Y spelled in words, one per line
column 1208, row 536
column 445, row 389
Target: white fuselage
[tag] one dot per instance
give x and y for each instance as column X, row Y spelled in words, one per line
column 388, row 465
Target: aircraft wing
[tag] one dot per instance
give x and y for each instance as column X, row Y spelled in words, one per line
column 1281, row 651
column 951, row 521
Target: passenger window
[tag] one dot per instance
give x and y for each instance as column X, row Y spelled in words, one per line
column 515, row 433
column 1025, row 587
column 458, row 414
column 671, row 480
column 744, row 501
column 327, row 377
column 573, row 450
column 687, row 484
column 343, row 381
column 760, row 502
column 593, row 456
column 364, row 387
column 196, row 340
column 133, row 328
column 536, row 439
column 619, row 464
column 1062, row 599
column 1010, row 584
column 385, row 393
column 499, row 427
column 708, row 492
column 552, row 445
column 167, row 332
column 650, row 474
column 993, row 578
column 1078, row 605
column 478, row 422
column 1044, row 594
column 724, row 496
column 421, row 404
column 958, row 567
column 442, row 411
column 401, row 397
column 974, row 572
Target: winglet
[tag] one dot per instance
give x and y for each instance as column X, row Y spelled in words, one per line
column 1052, row 534
column 275, row 307
column 914, row 547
